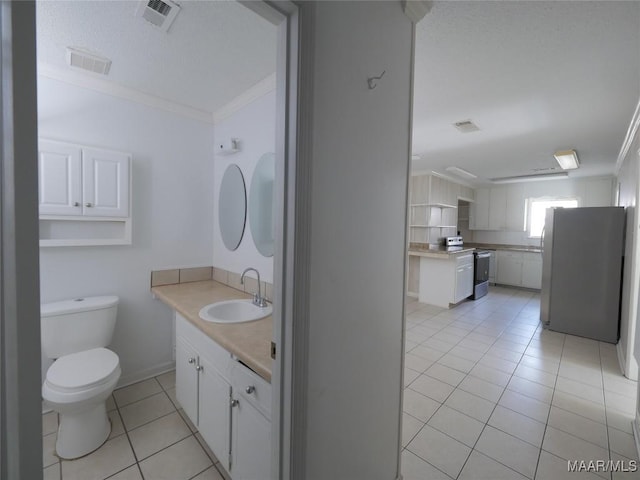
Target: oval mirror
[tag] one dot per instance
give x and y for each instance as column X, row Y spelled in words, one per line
column 232, row 207
column 261, row 204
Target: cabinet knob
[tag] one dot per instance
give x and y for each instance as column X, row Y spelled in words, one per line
column 88, row 204
column 191, row 360
column 76, row 204
column 234, row 402
column 199, row 368
column 250, row 389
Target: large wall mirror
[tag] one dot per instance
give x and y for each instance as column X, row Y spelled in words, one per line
column 232, row 207
column 261, row 204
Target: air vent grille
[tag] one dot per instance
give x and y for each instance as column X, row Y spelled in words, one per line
column 466, row 126
column 159, row 6
column 78, row 58
column 160, row 13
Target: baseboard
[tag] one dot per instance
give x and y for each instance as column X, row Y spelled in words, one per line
column 412, row 294
column 620, row 355
column 636, row 434
column 145, row 374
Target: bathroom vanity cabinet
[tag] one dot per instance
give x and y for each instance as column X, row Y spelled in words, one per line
column 228, row 402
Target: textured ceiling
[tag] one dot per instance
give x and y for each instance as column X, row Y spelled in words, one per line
column 535, row 76
column 214, row 51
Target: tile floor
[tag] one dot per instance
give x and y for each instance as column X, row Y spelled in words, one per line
column 489, row 395
column 151, row 439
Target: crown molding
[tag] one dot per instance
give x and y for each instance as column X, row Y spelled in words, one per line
column 260, row 89
column 632, row 131
column 116, row 90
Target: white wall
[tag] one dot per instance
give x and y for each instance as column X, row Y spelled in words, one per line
column 172, row 204
column 358, row 193
column 255, row 126
column 591, row 192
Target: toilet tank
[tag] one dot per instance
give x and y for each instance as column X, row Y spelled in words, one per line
column 75, row 325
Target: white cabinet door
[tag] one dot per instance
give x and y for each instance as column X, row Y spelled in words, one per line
column 187, row 378
column 532, row 270
column 514, row 221
column 215, row 404
column 59, row 178
column 105, row 183
column 509, row 268
column 497, row 208
column 479, row 211
column 464, row 282
column 251, row 458
column 493, row 267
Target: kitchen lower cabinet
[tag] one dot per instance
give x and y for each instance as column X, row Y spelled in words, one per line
column 446, row 279
column 228, row 403
column 532, row 270
column 519, row 269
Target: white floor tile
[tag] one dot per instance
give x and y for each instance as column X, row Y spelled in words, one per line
column 572, row 448
column 418, row 405
column 509, row 450
column 491, row 375
column 579, row 426
column 410, row 427
column 440, row 450
column 582, row 390
column 622, row 443
column 415, row 468
column 457, row 363
column 115, row 455
column 445, row 374
column 481, row 467
column 525, row 405
column 531, row 389
column 535, row 375
column 144, row 411
column 481, row 388
column 518, row 425
column 580, row 406
column 432, row 388
column 181, row 461
column 137, row 391
column 457, row 425
column 471, row 405
column 551, row 467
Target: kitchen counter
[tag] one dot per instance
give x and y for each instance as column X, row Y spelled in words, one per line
column 497, row 246
column 250, row 342
column 438, row 252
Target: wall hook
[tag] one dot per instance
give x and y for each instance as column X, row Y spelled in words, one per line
column 371, row 81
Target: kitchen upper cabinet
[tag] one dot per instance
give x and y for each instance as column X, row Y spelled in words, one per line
column 497, row 208
column 479, row 211
column 514, row 221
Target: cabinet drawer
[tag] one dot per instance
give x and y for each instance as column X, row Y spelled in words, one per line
column 463, row 260
column 251, row 387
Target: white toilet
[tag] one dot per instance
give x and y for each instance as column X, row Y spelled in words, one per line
column 78, row 383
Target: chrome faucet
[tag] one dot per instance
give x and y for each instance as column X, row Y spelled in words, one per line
column 258, row 299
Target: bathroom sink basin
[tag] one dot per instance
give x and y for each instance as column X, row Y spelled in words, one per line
column 234, row 311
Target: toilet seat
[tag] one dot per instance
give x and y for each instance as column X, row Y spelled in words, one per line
column 79, row 376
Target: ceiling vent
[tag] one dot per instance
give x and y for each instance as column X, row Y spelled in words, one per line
column 84, row 60
column 160, row 13
column 466, row 126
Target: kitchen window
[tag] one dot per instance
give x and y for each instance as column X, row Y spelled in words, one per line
column 536, row 209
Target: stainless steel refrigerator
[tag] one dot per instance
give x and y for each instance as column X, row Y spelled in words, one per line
column 582, row 260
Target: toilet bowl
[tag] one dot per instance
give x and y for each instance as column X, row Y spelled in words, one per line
column 84, row 374
column 77, row 387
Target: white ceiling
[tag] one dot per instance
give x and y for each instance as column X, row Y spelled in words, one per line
column 536, row 77
column 213, row 52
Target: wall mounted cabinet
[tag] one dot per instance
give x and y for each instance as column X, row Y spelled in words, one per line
column 84, row 195
column 229, row 403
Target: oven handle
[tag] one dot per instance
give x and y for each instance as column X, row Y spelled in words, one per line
column 483, row 255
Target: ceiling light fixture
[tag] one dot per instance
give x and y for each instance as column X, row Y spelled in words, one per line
column 460, row 172
column 568, row 159
column 531, row 178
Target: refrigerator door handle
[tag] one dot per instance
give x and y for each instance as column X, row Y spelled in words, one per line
column 542, row 239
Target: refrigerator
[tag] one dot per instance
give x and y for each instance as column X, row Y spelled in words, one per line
column 582, row 261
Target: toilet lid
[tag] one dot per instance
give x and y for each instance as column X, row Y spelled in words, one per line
column 83, row 369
